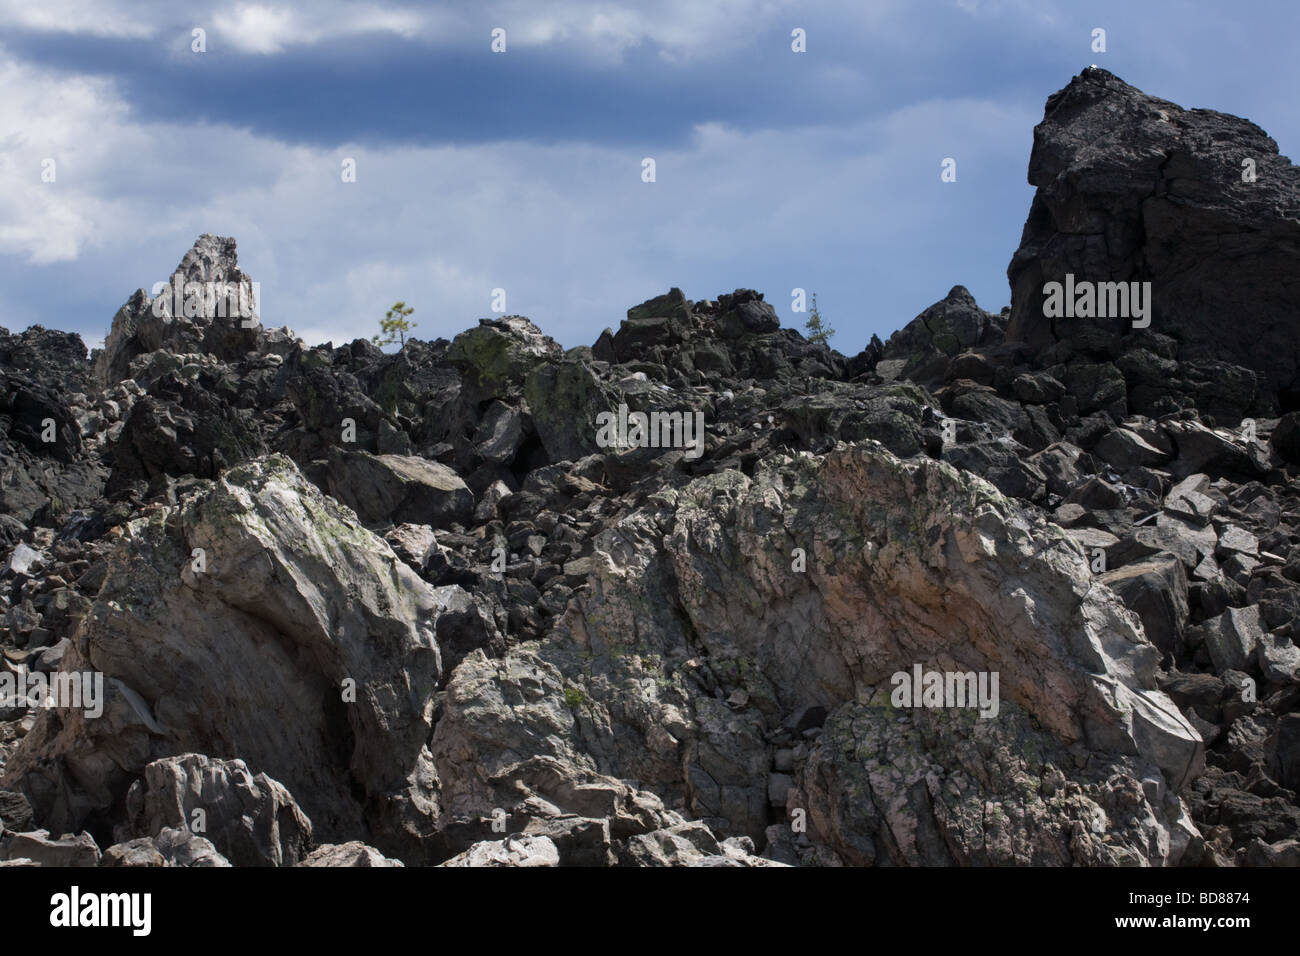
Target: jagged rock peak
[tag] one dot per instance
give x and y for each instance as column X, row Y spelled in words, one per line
column 208, row 306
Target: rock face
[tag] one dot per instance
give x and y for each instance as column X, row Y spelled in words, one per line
column 907, row 564
column 1011, row 588
column 44, row 469
column 1132, row 188
column 303, row 644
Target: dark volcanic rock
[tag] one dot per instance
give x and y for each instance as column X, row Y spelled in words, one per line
column 1132, row 188
column 1156, row 590
column 182, row 428
column 927, row 343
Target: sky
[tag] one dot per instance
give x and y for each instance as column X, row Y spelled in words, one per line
column 523, row 170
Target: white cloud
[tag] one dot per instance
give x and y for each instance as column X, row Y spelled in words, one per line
column 258, row 28
column 682, row 29
column 599, row 30
column 266, row 29
column 253, row 28
column 92, row 17
column 60, row 132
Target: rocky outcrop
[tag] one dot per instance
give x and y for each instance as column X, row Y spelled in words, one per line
column 923, row 349
column 181, row 428
column 357, row 608
column 1199, row 204
column 683, row 681
column 208, row 305
column 45, row 471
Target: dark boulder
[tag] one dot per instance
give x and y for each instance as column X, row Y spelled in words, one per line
column 1132, row 188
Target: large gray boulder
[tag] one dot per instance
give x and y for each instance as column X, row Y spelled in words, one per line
column 524, row 851
column 705, row 635
column 1156, row 590
column 299, row 642
column 172, row 846
column 495, row 356
column 392, row 489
